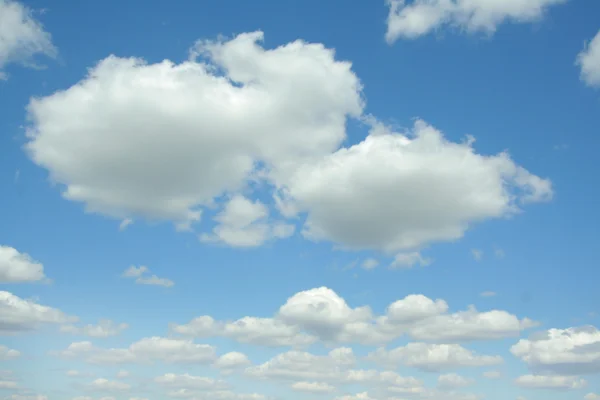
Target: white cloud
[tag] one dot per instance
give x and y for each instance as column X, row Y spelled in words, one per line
column 243, row 223
column 22, row 37
column 564, row 351
column 454, row 381
column 589, row 62
column 358, row 396
column 409, row 260
column 313, row 387
column 144, row 351
column 231, row 361
column 439, row 189
column 201, row 145
column 550, row 382
column 432, row 357
column 142, row 278
column 488, row 294
column 17, row 396
column 591, row 396
column 19, row 315
column 8, row 354
column 16, row 266
column 102, row 384
column 105, row 328
column 420, row 17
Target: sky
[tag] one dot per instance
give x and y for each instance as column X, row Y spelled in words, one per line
column 368, row 200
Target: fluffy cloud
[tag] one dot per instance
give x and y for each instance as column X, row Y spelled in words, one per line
column 19, row 315
column 550, row 382
column 564, row 351
column 201, row 133
column 432, row 357
column 321, row 314
column 591, row 396
column 8, row 354
column 358, row 196
column 16, row 266
column 589, row 62
column 105, row 328
column 142, row 277
column 420, row 17
column 409, row 260
column 243, row 223
column 201, row 130
column 21, row 36
column 147, row 350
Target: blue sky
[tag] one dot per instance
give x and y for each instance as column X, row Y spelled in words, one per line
column 362, row 200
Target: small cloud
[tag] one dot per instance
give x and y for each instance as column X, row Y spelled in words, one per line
column 409, row 260
column 488, row 294
column 125, row 223
column 17, row 175
column 477, row 254
column 142, row 278
column 369, row 263
column 559, row 147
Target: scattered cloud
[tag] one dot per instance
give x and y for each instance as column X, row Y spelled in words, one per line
column 144, row 351
column 231, row 361
column 142, row 277
column 19, row 267
column 105, row 328
column 22, row 37
column 591, row 396
column 477, row 254
column 488, row 294
column 568, row 351
column 589, row 62
column 8, row 354
column 421, row 17
column 550, row 382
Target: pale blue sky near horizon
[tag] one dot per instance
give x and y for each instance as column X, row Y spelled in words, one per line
column 518, row 89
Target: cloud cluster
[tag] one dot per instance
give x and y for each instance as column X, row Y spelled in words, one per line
column 568, row 351
column 144, row 351
column 412, row 19
column 321, row 314
column 236, row 114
